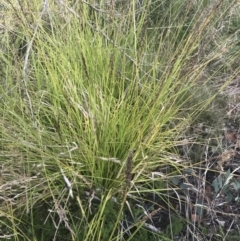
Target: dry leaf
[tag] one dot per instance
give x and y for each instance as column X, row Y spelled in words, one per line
column 195, row 218
column 209, row 192
column 220, row 222
column 237, row 154
column 227, row 209
column 231, row 136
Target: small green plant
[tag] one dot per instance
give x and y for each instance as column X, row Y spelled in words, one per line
column 225, row 185
column 176, row 226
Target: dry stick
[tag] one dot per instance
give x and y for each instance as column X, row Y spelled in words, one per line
column 29, row 47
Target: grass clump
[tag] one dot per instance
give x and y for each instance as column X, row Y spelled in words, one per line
column 94, row 98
